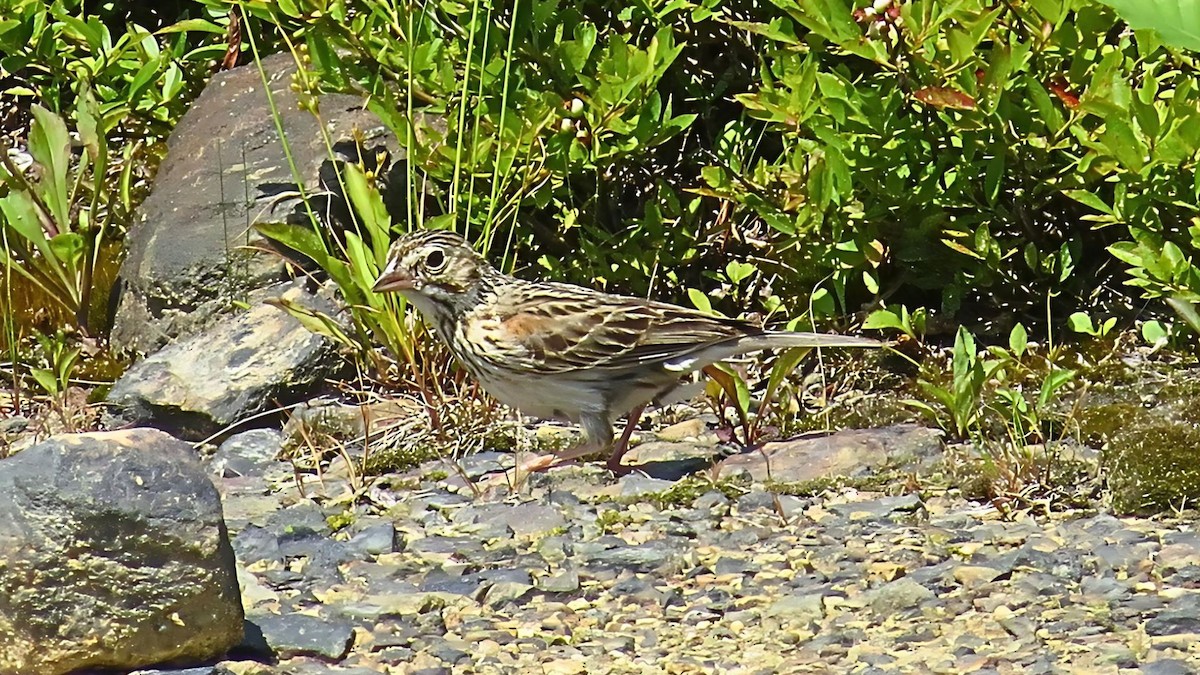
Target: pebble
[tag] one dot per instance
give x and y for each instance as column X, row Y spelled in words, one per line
column 575, row 569
column 303, row 635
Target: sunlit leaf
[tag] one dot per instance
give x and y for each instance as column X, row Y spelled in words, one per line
column 1177, row 21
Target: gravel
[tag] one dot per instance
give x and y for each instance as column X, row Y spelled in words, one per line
column 576, row 572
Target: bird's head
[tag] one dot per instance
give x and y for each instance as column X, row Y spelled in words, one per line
column 432, row 268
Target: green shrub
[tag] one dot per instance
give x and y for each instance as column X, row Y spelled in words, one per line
column 90, row 93
column 142, row 66
column 967, row 156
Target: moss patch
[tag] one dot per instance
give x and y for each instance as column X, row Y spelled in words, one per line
column 811, row 488
column 1153, row 465
column 402, row 458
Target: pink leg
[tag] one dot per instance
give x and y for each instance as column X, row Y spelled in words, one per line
column 597, row 433
column 562, row 457
column 622, row 446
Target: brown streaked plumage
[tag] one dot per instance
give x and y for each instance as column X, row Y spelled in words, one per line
column 562, row 351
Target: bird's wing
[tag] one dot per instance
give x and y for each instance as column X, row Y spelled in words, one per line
column 565, row 328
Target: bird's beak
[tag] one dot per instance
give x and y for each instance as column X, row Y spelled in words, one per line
column 392, row 280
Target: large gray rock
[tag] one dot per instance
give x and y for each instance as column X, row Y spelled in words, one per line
column 847, row 453
column 191, row 252
column 240, row 366
column 113, row 554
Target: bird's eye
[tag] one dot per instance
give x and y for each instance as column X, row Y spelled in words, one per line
column 435, row 260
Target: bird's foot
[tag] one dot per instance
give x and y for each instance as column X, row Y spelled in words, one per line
column 539, row 463
column 614, row 465
column 542, row 463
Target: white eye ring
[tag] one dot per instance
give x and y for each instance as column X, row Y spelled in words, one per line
column 435, row 260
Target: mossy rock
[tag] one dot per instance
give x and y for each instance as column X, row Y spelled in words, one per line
column 401, row 458
column 1153, row 465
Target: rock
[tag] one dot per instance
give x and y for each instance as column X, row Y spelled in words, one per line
column 533, row 520
column 375, row 539
column 190, row 254
column 636, row 485
column 1182, row 616
column 805, row 609
column 303, row 635
column 849, row 453
column 878, row 508
column 682, row 431
column 254, row 593
column 1180, row 551
column 242, row 365
column 641, row 591
column 566, row 581
column 503, row 592
column 897, row 596
column 974, row 576
column 757, row 499
column 715, row 503
column 727, row 565
column 113, row 554
column 255, row 543
column 1167, row 667
column 250, row 453
column 566, row 667
column 201, row 670
column 13, row 425
column 322, row 418
column 641, row 558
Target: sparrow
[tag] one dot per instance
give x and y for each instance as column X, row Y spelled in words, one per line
column 567, row 352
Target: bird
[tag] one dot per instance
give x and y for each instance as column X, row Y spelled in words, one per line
column 567, row 352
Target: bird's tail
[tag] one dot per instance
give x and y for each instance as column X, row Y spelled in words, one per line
column 719, row 351
column 780, row 339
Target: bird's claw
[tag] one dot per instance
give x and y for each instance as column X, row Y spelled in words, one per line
column 539, row 463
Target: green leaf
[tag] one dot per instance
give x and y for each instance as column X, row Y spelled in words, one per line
column 1108, row 95
column 870, row 282
column 1155, row 333
column 1080, row 322
column 314, row 321
column 883, row 318
column 68, row 247
column 46, row 380
column 306, row 241
column 172, row 82
column 700, row 301
column 1018, row 340
column 1056, row 380
column 784, row 365
column 50, row 145
column 192, row 25
column 91, row 134
column 1176, row 21
column 1128, row 253
column 993, row 177
column 733, row 386
column 369, row 208
column 1187, row 311
column 739, row 271
column 21, row 213
column 1049, row 113
column 1123, row 143
column 1090, row 200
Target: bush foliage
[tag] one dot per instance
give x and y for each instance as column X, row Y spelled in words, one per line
column 989, row 161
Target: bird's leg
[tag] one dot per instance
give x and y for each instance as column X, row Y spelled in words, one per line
column 597, row 434
column 622, row 446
